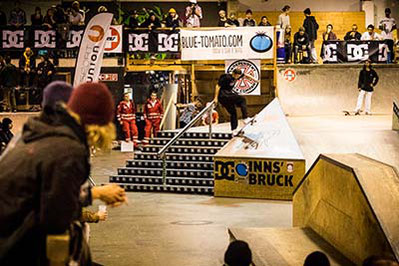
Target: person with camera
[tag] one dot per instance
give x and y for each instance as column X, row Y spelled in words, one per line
column 193, row 15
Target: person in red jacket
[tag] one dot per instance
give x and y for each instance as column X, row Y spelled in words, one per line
column 126, row 114
column 153, row 113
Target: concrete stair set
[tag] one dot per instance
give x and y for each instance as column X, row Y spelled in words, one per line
column 189, row 165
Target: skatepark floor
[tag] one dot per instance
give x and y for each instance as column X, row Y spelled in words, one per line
column 173, row 229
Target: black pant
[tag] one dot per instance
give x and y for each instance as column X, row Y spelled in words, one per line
column 182, row 124
column 287, row 48
column 230, row 102
column 297, row 49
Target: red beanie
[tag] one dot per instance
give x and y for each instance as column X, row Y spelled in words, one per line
column 93, row 103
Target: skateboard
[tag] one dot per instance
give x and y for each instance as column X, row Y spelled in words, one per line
column 248, row 140
column 348, row 113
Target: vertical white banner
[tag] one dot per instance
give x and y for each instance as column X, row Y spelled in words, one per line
column 88, row 64
column 245, row 85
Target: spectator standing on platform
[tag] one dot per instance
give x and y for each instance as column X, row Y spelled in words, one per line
column 329, row 35
column 17, row 16
column 48, row 20
column 387, row 26
column 27, row 66
column 287, row 45
column 264, row 22
column 234, row 19
column 152, row 22
column 173, row 19
column 75, row 18
column 238, row 253
column 370, row 34
column 45, row 72
column 249, row 21
column 9, row 77
column 284, row 18
column 3, row 16
column 133, row 22
column 311, row 27
column 188, row 112
column 301, row 43
column 37, row 17
column 5, row 132
column 76, row 7
column 51, row 158
column 193, row 15
column 126, row 115
column 223, row 20
column 368, row 79
column 224, row 93
column 316, row 258
column 153, row 114
column 353, row 35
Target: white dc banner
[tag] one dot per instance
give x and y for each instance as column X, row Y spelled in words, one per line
column 228, row 43
column 88, row 64
column 114, row 39
column 246, row 85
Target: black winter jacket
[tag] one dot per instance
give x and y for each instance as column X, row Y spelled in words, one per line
column 367, row 80
column 311, row 27
column 41, row 178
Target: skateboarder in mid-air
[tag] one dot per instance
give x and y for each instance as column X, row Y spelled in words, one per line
column 225, row 94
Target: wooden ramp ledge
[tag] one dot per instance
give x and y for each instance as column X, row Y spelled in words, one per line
column 395, row 115
column 285, row 246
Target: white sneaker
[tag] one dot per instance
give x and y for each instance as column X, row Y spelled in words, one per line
column 247, row 120
column 235, row 132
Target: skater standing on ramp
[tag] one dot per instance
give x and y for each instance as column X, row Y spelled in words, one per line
column 225, row 94
column 368, row 79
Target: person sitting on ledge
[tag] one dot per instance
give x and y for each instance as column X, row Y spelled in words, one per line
column 329, row 35
column 353, row 35
column 224, row 21
column 370, row 34
column 301, row 44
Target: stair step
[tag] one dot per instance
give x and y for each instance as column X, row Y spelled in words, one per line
column 199, row 150
column 169, row 172
column 209, row 182
column 189, row 142
column 167, row 188
column 195, row 135
column 175, row 157
column 169, row 164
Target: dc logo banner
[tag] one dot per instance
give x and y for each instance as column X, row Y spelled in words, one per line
column 13, row 39
column 168, row 43
column 357, row 52
column 330, row 53
column 246, row 85
column 138, row 42
column 383, row 52
column 74, row 38
column 45, row 39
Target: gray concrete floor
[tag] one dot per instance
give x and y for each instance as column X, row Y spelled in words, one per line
column 171, row 229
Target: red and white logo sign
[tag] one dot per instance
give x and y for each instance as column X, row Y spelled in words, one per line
column 114, row 40
column 108, row 77
column 289, row 75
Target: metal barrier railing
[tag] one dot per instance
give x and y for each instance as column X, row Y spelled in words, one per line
column 162, row 151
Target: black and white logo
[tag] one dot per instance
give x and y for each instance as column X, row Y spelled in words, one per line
column 357, row 52
column 168, row 43
column 138, row 42
column 13, row 39
column 330, row 53
column 74, row 38
column 383, row 52
column 45, row 39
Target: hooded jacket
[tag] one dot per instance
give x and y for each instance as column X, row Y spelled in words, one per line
column 41, row 179
column 311, row 27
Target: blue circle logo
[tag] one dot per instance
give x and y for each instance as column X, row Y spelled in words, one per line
column 242, row 169
column 261, row 43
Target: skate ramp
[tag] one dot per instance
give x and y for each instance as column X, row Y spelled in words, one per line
column 270, row 169
column 352, row 202
column 306, row 90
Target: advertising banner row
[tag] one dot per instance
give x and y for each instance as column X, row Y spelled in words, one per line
column 214, row 44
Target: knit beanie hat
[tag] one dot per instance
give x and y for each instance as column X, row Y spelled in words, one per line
column 56, row 91
column 93, row 102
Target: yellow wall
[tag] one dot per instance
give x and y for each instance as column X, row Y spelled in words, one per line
column 342, row 22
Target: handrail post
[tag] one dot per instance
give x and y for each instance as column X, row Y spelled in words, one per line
column 210, row 121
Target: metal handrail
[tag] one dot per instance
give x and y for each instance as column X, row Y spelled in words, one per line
column 209, row 109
